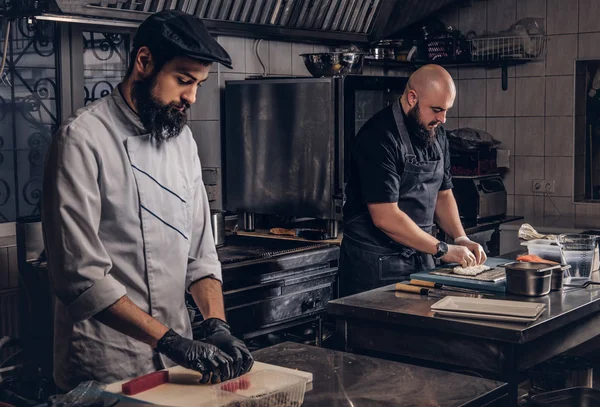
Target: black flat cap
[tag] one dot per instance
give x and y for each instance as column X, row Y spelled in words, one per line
column 182, row 34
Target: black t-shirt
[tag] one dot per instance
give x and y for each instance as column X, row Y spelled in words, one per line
column 377, row 162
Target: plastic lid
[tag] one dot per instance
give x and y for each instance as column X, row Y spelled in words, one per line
column 265, row 387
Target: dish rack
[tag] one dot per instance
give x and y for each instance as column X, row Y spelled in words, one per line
column 528, row 47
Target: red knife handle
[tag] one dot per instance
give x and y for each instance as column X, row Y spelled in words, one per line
column 146, row 382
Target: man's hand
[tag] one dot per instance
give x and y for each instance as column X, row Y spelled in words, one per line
column 459, row 254
column 203, row 357
column 474, row 247
column 218, row 333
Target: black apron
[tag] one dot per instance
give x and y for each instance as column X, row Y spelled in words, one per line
column 365, row 266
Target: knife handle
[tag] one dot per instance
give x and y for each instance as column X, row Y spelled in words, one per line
column 424, row 283
column 411, row 289
column 146, row 382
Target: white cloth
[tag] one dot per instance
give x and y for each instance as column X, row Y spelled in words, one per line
column 123, row 214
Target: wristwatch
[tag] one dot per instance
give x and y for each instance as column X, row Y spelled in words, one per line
column 442, row 249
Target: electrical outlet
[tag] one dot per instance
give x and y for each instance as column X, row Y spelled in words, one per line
column 542, row 186
column 537, row 186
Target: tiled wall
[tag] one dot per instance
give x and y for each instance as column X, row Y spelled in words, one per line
column 534, row 117
column 279, row 58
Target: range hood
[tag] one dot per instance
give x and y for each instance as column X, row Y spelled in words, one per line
column 325, row 21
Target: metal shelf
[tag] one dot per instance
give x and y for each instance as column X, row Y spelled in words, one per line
column 502, row 63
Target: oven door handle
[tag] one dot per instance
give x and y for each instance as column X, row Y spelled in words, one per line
column 274, row 284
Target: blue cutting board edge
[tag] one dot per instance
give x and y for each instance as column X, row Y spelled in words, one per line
column 500, row 286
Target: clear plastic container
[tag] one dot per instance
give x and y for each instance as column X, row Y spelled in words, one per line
column 546, row 249
column 266, row 388
column 578, row 252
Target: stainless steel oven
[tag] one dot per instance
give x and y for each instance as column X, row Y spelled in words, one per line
column 287, row 141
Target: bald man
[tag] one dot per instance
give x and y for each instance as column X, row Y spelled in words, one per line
column 399, row 184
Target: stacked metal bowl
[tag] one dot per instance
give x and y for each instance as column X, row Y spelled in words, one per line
column 333, row 64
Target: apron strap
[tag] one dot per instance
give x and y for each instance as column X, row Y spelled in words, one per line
column 402, row 129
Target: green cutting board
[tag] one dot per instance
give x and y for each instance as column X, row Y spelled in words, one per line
column 492, row 262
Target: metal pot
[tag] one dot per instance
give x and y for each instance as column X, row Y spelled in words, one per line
column 558, row 277
column 529, row 278
column 217, row 222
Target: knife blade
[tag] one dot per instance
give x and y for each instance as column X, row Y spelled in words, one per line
column 432, row 292
column 440, row 286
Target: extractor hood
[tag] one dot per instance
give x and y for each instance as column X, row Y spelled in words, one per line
column 325, row 21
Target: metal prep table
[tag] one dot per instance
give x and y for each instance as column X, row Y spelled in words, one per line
column 389, row 323
column 345, row 379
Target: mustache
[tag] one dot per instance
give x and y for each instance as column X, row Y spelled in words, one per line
column 184, row 105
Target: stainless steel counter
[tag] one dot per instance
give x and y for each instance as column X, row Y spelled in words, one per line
column 345, row 379
column 403, row 325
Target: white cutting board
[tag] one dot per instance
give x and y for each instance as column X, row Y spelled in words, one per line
column 183, row 389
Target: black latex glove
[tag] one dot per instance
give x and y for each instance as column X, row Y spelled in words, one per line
column 218, row 333
column 215, row 365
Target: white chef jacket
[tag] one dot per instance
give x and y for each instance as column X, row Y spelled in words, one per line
column 123, row 214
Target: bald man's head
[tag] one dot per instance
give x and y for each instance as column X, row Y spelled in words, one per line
column 429, row 94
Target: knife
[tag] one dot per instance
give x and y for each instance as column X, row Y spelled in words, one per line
column 440, row 286
column 431, row 292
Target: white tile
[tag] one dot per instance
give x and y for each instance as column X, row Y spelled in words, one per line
column 526, row 170
column 529, row 136
column 529, row 206
column 501, row 14
column 559, row 95
column 562, row 17
column 500, row 102
column 502, row 129
column 472, row 97
column 587, row 211
column 207, row 106
column 473, row 18
column 497, row 72
column 454, row 110
column 321, row 48
column 533, row 68
column 510, row 205
column 561, row 52
column 298, row 67
column 208, row 138
column 395, row 72
column 471, row 73
column 530, row 96
column 531, row 8
column 280, row 58
column 453, row 73
column 472, row 122
column 376, row 71
column 509, row 177
column 560, row 170
column 559, row 136
column 588, row 45
column 589, row 15
column 224, row 77
column 558, row 206
column 236, row 48
column 253, row 65
column 451, row 123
